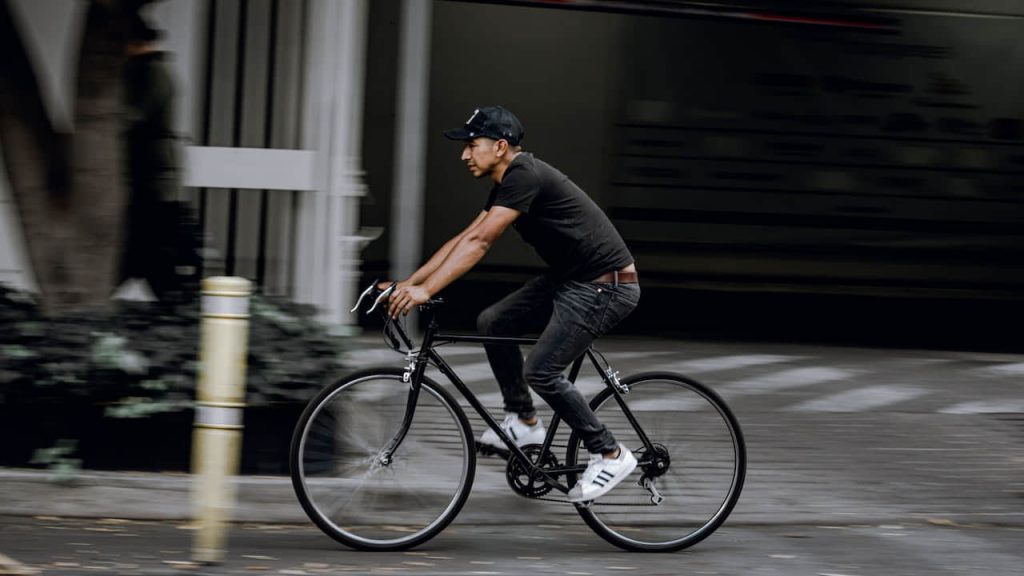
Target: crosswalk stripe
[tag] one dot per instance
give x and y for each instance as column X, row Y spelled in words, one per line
column 786, row 379
column 860, row 399
column 1013, row 405
column 471, row 372
column 719, row 363
column 637, row 355
column 1016, row 369
column 11, row 566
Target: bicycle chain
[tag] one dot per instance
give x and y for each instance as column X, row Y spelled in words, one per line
column 532, row 451
column 573, row 503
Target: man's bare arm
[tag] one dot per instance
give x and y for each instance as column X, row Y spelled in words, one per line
column 463, row 255
column 435, row 261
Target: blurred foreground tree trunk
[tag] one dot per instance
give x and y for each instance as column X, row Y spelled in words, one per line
column 68, row 188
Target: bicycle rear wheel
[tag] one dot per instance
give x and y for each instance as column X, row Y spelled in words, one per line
column 698, row 464
column 357, row 496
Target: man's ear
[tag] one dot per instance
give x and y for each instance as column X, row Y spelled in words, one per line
column 502, row 147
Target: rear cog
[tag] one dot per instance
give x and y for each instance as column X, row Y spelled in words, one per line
column 520, row 479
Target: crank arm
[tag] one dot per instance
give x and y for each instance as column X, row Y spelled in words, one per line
column 648, row 484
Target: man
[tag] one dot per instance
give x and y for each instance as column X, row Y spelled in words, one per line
column 161, row 240
column 590, row 286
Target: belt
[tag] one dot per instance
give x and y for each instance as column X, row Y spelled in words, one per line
column 616, row 277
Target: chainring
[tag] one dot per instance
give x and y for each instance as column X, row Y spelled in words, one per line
column 520, row 479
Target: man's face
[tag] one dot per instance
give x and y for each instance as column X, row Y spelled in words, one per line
column 481, row 155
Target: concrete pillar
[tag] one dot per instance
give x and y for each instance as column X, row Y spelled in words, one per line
column 328, row 245
column 411, row 139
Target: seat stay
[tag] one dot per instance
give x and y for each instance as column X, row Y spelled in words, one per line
column 606, row 376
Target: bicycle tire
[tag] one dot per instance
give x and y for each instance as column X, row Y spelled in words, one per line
column 349, row 493
column 706, row 466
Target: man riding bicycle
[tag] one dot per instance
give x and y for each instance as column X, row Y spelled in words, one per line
column 590, row 286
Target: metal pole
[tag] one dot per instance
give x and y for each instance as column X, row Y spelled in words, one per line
column 217, row 430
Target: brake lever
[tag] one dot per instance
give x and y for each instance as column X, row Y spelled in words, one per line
column 364, row 295
column 383, row 295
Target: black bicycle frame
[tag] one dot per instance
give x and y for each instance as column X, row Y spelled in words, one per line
column 427, row 353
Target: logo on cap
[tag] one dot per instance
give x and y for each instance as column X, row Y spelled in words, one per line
column 490, row 121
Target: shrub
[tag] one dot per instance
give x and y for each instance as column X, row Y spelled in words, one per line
column 137, row 359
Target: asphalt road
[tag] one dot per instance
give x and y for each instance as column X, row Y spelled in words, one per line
column 861, row 462
column 103, row 546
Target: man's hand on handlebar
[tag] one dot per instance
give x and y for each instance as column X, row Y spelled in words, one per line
column 406, row 297
column 401, row 297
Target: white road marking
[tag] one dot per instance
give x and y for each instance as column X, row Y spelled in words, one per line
column 11, row 566
column 732, row 362
column 860, row 399
column 1006, row 369
column 786, row 379
column 1011, row 405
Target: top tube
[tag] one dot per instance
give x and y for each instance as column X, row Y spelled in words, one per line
column 432, row 336
column 475, row 339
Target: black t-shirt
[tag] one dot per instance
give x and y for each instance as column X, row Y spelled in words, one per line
column 566, row 228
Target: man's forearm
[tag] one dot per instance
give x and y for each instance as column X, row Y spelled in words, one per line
column 424, row 271
column 428, row 268
column 465, row 254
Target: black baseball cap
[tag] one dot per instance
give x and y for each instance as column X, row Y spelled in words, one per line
column 490, row 122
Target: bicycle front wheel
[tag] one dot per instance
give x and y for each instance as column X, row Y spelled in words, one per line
column 696, row 466
column 357, row 492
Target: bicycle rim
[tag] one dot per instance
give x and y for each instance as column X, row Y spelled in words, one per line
column 706, row 465
column 355, row 497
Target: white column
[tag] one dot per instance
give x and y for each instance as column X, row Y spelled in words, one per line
column 327, row 252
column 316, row 99
column 410, row 139
column 346, row 182
column 14, row 266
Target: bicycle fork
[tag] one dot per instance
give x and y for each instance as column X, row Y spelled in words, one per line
column 412, row 376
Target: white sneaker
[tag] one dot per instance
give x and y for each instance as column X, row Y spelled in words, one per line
column 602, row 474
column 520, row 432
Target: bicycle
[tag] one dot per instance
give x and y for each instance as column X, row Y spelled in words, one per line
column 384, row 458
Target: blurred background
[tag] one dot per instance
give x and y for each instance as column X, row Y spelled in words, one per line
column 822, row 172
column 800, row 170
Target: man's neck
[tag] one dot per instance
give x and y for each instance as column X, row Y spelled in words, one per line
column 499, row 172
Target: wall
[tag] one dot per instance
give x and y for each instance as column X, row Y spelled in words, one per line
column 771, row 179
column 775, row 158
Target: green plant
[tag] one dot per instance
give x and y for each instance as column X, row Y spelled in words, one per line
column 138, row 359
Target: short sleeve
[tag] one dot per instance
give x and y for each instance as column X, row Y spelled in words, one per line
column 518, row 189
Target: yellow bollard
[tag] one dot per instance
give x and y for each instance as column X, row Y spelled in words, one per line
column 220, row 400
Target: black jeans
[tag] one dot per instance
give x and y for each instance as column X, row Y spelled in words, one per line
column 570, row 315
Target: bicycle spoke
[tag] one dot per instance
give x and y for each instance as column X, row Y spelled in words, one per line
column 363, row 499
column 696, row 465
